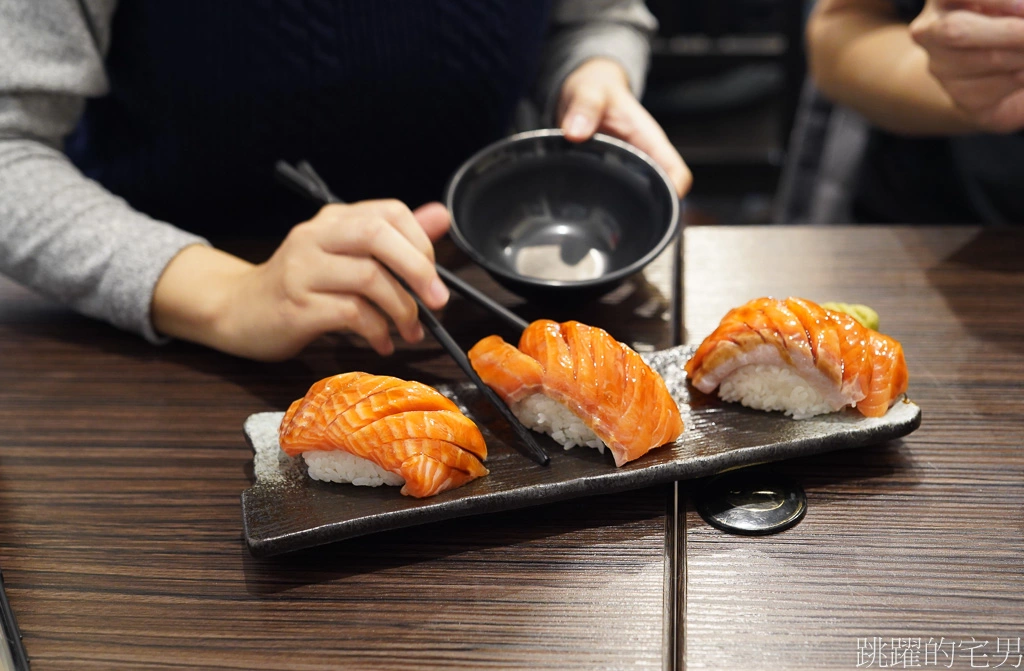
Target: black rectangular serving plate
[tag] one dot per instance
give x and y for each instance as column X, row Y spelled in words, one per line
column 285, row 510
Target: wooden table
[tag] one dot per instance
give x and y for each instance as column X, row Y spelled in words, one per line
column 121, row 466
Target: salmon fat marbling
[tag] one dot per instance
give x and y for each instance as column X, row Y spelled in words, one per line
column 797, row 357
column 374, row 429
column 581, row 386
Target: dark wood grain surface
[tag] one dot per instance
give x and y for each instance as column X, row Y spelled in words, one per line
column 121, row 467
column 919, row 539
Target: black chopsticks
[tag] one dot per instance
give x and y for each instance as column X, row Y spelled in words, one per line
column 305, row 181
column 12, row 654
column 531, row 448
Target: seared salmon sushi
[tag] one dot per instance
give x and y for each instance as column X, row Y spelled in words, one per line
column 374, row 429
column 795, row 356
column 582, row 387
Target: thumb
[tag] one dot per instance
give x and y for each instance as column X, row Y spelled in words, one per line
column 584, row 113
column 989, row 7
column 434, row 219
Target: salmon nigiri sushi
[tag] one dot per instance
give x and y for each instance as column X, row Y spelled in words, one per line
column 373, row 430
column 798, row 357
column 582, row 387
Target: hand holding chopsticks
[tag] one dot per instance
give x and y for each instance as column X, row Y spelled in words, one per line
column 304, row 180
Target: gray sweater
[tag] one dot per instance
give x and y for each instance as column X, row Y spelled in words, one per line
column 67, row 237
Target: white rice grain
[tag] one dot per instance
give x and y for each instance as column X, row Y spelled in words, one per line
column 546, row 415
column 341, row 466
column 768, row 387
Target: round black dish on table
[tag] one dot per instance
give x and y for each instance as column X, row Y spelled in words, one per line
column 553, row 220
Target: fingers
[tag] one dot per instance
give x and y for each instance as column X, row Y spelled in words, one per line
column 333, row 312
column 995, row 103
column 962, row 29
column 976, row 52
column 434, row 219
column 628, row 120
column 945, row 62
column 1007, row 116
column 366, row 277
column 343, row 270
column 374, row 236
column 396, row 213
column 586, row 95
column 976, row 94
column 597, row 97
column 650, row 137
column 990, row 7
column 584, row 110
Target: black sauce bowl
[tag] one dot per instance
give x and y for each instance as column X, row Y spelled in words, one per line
column 553, row 220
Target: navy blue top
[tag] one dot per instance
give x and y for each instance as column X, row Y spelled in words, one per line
column 384, row 97
column 962, row 179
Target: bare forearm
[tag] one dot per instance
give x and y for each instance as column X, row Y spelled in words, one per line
column 332, row 273
column 863, row 57
column 191, row 295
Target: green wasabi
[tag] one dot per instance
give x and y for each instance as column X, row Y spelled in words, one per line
column 867, row 317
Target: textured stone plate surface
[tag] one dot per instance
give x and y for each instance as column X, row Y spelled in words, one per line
column 284, row 510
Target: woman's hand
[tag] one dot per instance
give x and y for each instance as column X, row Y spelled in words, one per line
column 596, row 98
column 976, row 52
column 330, row 274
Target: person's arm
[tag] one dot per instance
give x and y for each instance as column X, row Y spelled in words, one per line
column 861, row 55
column 976, row 53
column 330, row 274
column 580, row 30
column 952, row 71
column 67, row 237
column 592, row 75
column 60, row 233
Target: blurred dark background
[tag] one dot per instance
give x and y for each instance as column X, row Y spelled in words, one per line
column 725, row 83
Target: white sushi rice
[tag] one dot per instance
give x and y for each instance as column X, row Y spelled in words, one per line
column 546, row 415
column 341, row 466
column 767, row 387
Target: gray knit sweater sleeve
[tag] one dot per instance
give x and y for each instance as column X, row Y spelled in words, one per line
column 62, row 234
column 585, row 29
column 65, row 236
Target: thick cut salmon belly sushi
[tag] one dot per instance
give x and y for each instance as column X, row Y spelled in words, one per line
column 582, row 387
column 795, row 356
column 373, row 429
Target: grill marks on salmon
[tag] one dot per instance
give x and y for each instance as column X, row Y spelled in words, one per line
column 404, row 427
column 848, row 364
column 603, row 382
